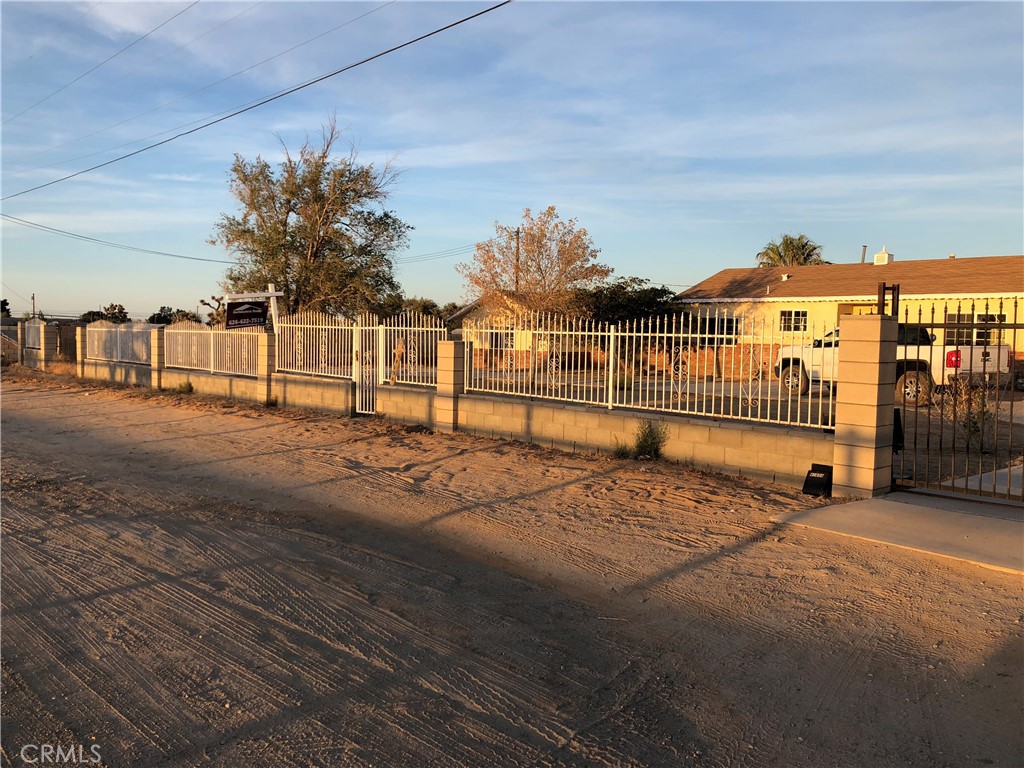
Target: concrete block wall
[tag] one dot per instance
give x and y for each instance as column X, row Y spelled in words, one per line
column 407, row 404
column 43, row 357
column 119, row 373
column 765, row 451
column 317, row 394
column 204, row 383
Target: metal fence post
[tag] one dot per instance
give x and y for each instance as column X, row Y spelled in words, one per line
column 612, row 363
column 381, row 356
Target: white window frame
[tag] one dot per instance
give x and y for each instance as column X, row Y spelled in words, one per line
column 792, row 320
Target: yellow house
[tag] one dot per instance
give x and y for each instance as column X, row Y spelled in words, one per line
column 932, row 292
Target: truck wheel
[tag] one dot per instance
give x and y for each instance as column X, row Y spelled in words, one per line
column 794, row 380
column 914, row 388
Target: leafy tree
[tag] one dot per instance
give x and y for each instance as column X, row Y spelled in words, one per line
column 166, row 316
column 113, row 313
column 543, row 262
column 790, row 251
column 450, row 309
column 316, row 228
column 116, row 313
column 626, row 299
column 422, row 306
column 5, row 308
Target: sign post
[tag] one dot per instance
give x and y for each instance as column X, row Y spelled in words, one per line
column 245, row 310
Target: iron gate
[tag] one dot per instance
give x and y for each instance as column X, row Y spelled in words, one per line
column 960, row 400
column 365, row 354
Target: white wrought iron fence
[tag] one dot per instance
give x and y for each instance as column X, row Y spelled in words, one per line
column 118, row 342
column 315, row 343
column 33, row 333
column 197, row 347
column 702, row 363
column 408, row 344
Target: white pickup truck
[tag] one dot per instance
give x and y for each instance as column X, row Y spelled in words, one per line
column 921, row 365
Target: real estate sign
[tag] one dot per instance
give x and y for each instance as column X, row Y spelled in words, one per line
column 246, row 314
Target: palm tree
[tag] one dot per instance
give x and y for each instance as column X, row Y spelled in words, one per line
column 790, row 251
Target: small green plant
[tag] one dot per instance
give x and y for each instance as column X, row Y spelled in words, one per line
column 621, row 450
column 649, row 439
column 185, row 388
column 648, row 442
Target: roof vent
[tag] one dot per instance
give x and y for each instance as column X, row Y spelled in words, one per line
column 884, row 257
column 785, row 276
column 952, row 255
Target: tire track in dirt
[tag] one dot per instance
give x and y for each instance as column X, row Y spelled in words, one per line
column 150, row 718
column 462, row 684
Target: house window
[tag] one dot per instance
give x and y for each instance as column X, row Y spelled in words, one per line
column 966, row 330
column 793, row 320
column 959, row 332
column 983, row 337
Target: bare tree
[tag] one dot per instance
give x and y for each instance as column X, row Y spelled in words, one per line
column 540, row 264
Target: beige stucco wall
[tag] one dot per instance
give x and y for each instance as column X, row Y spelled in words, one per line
column 824, row 314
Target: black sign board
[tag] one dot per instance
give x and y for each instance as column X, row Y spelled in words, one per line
column 818, row 481
column 245, row 314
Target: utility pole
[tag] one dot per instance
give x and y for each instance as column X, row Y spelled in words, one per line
column 517, row 260
column 33, row 305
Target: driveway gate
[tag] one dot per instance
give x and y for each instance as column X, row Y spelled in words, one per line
column 960, row 399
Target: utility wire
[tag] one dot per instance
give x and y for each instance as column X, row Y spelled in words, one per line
column 5, row 285
column 188, row 95
column 437, row 255
column 77, row 236
column 263, row 102
column 109, row 58
column 122, row 246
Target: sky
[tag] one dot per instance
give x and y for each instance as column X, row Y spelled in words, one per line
column 683, row 136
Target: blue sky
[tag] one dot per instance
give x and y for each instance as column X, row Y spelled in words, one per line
column 683, row 136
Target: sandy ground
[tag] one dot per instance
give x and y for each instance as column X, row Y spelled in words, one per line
column 193, row 582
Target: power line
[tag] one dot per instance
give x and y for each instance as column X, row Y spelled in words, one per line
column 436, row 255
column 122, row 246
column 5, row 285
column 109, row 58
column 447, row 254
column 187, row 95
column 265, row 101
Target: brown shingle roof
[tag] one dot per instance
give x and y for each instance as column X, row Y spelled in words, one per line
column 977, row 276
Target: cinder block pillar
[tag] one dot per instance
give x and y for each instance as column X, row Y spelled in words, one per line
column 47, row 345
column 157, row 358
column 81, row 349
column 866, row 381
column 266, row 365
column 21, row 342
column 451, row 382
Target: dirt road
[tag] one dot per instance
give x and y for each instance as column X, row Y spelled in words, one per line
column 187, row 582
